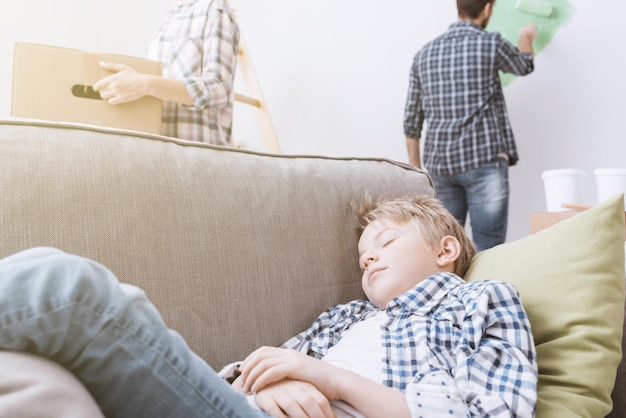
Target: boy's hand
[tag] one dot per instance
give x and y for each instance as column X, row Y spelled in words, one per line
column 268, row 365
column 237, row 385
column 293, row 399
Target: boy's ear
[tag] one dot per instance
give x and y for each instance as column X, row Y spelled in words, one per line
column 449, row 251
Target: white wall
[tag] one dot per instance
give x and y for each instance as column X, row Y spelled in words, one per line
column 334, row 75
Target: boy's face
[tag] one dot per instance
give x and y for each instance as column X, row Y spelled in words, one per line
column 394, row 258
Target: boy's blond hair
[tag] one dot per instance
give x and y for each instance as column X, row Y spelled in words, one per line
column 428, row 214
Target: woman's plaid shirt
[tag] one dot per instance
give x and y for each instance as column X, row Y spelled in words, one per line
column 199, row 44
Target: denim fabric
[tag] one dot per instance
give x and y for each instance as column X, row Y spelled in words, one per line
column 483, row 193
column 74, row 311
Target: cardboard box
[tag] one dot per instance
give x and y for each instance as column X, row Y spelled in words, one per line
column 54, row 83
column 543, row 220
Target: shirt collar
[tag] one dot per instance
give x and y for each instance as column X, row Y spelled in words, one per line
column 465, row 24
column 182, row 3
column 426, row 295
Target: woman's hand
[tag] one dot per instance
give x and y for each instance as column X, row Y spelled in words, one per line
column 125, row 85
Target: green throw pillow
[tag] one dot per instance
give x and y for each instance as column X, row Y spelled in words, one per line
column 571, row 280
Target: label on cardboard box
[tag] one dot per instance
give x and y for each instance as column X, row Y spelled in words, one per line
column 54, row 83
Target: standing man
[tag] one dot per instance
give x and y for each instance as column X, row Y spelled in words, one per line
column 455, row 88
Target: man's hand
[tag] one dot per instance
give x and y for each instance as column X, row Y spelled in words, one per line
column 293, row 399
column 526, row 37
column 413, row 149
column 125, row 85
column 528, row 32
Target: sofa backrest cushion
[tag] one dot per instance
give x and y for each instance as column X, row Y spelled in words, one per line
column 237, row 249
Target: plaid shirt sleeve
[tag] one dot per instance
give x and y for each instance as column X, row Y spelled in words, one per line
column 510, row 60
column 413, row 111
column 495, row 372
column 212, row 86
column 327, row 328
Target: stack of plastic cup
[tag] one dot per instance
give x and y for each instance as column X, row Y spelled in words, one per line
column 563, row 186
column 610, row 182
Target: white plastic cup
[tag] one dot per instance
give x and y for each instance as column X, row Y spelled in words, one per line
column 563, row 186
column 609, row 182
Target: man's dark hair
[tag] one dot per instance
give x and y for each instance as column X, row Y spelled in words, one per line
column 471, row 8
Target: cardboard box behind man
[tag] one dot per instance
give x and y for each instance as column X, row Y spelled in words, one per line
column 54, row 83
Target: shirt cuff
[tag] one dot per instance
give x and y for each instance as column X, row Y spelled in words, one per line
column 436, row 395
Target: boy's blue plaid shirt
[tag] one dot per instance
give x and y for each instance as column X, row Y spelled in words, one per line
column 466, row 347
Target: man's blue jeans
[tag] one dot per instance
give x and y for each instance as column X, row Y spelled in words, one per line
column 74, row 311
column 484, row 193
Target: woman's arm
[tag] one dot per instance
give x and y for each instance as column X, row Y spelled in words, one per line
column 202, row 74
column 127, row 84
column 212, row 74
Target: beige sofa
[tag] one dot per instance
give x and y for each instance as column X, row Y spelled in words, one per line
column 237, row 249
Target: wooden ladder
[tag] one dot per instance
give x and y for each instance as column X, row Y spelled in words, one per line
column 255, row 99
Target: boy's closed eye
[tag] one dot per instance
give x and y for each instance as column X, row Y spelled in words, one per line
column 388, row 242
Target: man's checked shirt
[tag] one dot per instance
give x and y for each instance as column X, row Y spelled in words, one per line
column 454, row 88
column 199, row 43
column 456, row 349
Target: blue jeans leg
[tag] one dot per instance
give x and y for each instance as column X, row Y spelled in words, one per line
column 452, row 194
column 484, row 194
column 74, row 311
